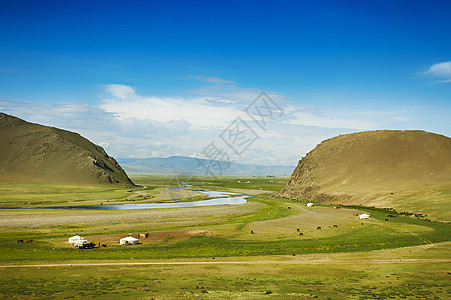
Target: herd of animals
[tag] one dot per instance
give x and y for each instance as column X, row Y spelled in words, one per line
column 22, row 241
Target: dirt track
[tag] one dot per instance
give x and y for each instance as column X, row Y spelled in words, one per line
column 294, row 262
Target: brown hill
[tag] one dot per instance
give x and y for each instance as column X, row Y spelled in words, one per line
column 35, row 153
column 406, row 170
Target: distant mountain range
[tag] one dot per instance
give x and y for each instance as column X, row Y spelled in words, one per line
column 179, row 165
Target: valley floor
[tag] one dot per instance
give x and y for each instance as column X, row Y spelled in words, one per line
column 246, row 251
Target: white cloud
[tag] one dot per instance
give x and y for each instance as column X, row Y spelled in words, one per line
column 230, row 93
column 120, row 91
column 211, row 79
column 440, row 69
column 348, row 119
column 308, row 119
column 196, row 111
column 222, row 101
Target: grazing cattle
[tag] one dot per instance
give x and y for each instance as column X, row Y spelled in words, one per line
column 103, row 245
column 362, row 223
column 386, row 220
column 289, row 207
column 20, row 241
column 319, row 227
column 301, row 234
column 252, row 232
column 335, row 226
column 298, row 230
column 30, row 241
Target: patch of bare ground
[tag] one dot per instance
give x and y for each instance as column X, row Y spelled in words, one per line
column 10, row 219
column 163, row 194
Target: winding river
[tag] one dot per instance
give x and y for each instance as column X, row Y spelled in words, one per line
column 218, row 198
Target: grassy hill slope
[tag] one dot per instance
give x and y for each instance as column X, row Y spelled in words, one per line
column 406, row 170
column 35, row 153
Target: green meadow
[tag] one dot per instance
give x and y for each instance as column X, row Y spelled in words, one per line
column 246, row 251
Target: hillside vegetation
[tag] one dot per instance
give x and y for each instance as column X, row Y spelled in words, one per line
column 35, row 153
column 406, row 170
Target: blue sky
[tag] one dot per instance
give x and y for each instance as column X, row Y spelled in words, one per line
column 162, row 78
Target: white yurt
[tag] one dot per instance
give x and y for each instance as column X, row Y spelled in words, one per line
column 364, row 216
column 309, row 204
column 76, row 239
column 129, row 241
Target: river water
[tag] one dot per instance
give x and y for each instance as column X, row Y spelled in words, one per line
column 219, row 198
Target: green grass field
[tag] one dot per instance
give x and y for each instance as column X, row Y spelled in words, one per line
column 333, row 280
column 210, row 252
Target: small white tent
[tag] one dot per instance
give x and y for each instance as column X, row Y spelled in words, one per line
column 77, row 239
column 129, row 241
column 309, row 204
column 364, row 216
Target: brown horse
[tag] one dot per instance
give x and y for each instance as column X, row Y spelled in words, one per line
column 20, row 241
column 301, row 234
column 335, row 226
column 319, row 227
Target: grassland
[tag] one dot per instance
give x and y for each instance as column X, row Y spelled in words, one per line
column 336, row 277
column 43, row 194
column 210, row 252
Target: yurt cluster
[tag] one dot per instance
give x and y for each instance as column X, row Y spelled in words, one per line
column 82, row 243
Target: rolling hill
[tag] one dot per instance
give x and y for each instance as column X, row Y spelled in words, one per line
column 35, row 153
column 406, row 170
column 179, row 165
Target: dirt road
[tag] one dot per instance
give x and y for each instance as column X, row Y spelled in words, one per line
column 275, row 262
